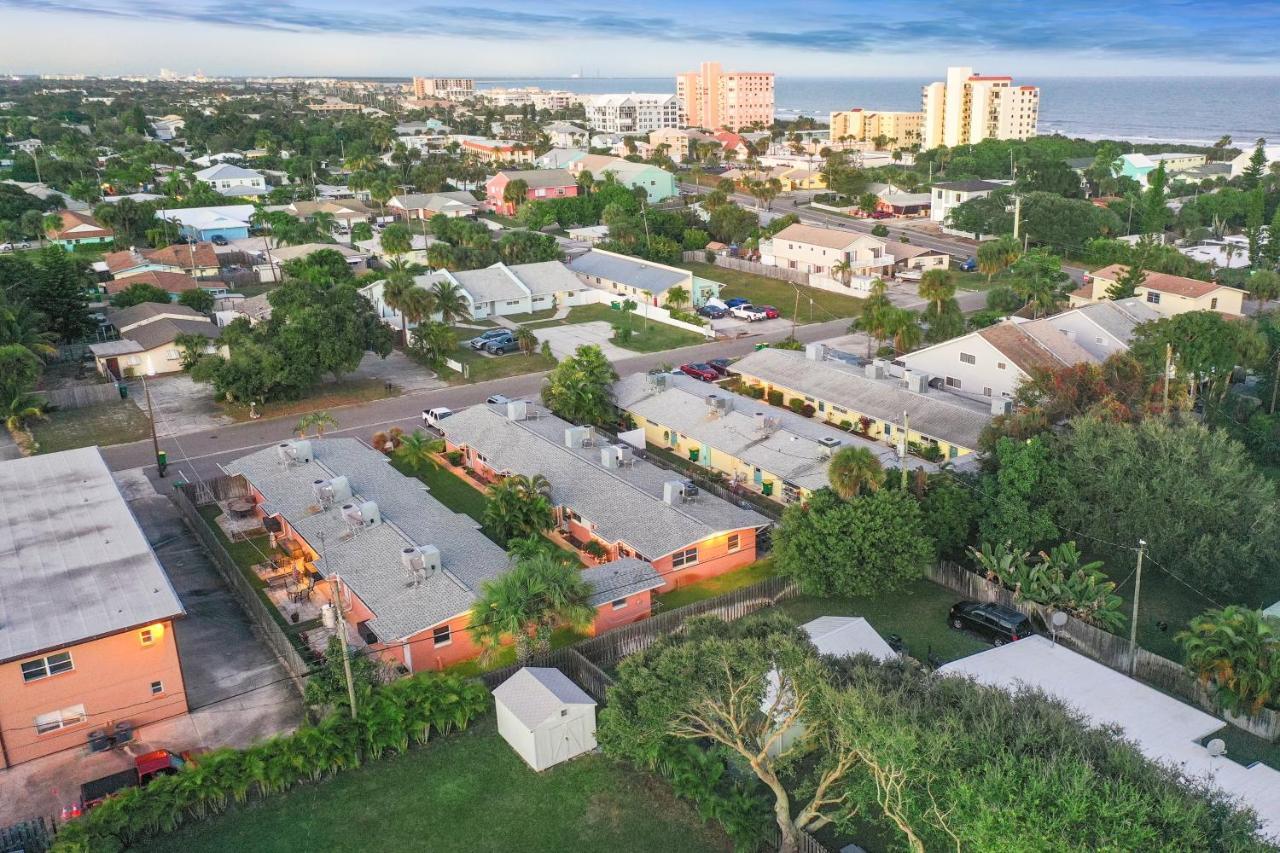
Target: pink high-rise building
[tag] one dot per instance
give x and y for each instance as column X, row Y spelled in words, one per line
column 733, row 100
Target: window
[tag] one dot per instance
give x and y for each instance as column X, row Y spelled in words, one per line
column 34, row 670
column 966, row 358
column 1153, row 297
column 441, row 635
column 1000, row 365
column 687, row 557
column 618, row 603
column 1213, row 304
column 147, row 636
column 55, row 720
column 157, row 687
column 986, row 391
column 888, row 429
column 734, row 542
column 952, row 382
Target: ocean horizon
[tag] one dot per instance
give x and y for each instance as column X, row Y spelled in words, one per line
column 1188, row 110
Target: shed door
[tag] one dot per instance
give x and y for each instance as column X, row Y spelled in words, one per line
column 568, row 739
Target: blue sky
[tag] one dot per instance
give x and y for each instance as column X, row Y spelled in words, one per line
column 891, row 38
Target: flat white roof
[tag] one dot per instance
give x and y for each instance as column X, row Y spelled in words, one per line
column 847, row 635
column 1163, row 729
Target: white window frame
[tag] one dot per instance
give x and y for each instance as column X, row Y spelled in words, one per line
column 618, row 603
column 734, row 542
column 61, row 719
column 47, row 665
column 685, row 557
column 442, row 636
column 147, row 637
column 952, row 382
column 157, row 688
column 968, row 358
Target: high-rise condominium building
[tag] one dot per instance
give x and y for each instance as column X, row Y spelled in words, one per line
column 895, row 129
column 968, row 108
column 717, row 99
column 633, row 113
column 450, row 88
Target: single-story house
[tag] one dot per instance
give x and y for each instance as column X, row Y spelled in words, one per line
column 565, row 135
column 499, row 290
column 592, row 234
column 148, row 333
column 204, row 223
column 78, row 229
column 658, row 184
column 231, row 180
column 601, row 492
column 427, row 205
column 197, row 259
column 639, row 279
column 173, row 283
column 559, row 158
column 541, row 185
column 907, row 256
column 545, row 717
column 1168, row 294
column 271, row 260
column 346, row 212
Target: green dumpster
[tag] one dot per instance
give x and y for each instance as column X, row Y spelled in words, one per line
column 616, row 306
column 123, row 389
column 761, row 346
column 766, row 488
column 693, row 454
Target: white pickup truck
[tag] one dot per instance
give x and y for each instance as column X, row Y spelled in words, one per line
column 748, row 312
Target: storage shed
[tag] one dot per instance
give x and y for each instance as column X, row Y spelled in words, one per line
column 545, row 717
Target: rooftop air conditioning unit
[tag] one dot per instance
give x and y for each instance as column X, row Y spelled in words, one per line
column 420, row 562
column 659, row 381
column 690, row 490
column 672, row 491
column 609, row 456
column 290, row 452
column 625, row 455
column 517, row 410
column 875, row 369
column 916, row 381
column 815, row 352
column 829, row 444
column 576, row 437
column 719, row 404
column 329, row 492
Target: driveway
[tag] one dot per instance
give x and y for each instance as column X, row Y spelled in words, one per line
column 399, row 370
column 565, row 339
column 180, row 405
column 237, row 691
column 732, row 327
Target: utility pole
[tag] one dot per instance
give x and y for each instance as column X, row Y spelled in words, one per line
column 1168, row 366
column 162, row 458
column 1275, row 383
column 795, row 312
column 1017, row 216
column 902, row 448
column 342, row 626
column 1133, row 620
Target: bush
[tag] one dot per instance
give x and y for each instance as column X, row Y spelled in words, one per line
column 687, row 317
column 454, row 457
column 410, row 710
column 807, row 410
column 756, row 392
column 796, row 404
column 709, row 256
column 594, row 549
column 879, row 230
column 775, row 397
column 847, row 426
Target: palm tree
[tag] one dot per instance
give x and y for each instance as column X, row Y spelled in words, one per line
column 677, row 298
column 452, row 303
column 432, row 342
column 526, row 603
column 319, row 421
column 50, row 222
column 21, row 326
column 843, row 270
column 419, row 305
column 416, row 449
column 997, row 255
column 519, row 506
column 876, row 311
column 526, row 340
column 937, row 287
column 361, row 231
column 22, row 408
column 903, row 326
column 395, row 292
column 324, row 223
column 853, row 470
column 1237, row 650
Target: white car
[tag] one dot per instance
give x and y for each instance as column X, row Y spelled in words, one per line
column 911, row 275
column 433, row 417
column 748, row 312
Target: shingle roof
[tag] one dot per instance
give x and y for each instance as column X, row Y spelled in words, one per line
column 534, row 694
column 173, row 282
column 1056, row 342
column 620, row 579
column 938, row 415
column 547, row 277
column 369, row 562
column 625, row 505
column 226, row 172
column 182, row 256
column 542, row 177
column 1020, row 347
column 165, row 331
column 126, row 317
column 1118, row 319
column 1163, row 282
column 73, row 562
column 831, row 238
column 73, row 219
column 632, row 272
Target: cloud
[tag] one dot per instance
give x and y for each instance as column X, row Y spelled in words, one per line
column 1231, row 31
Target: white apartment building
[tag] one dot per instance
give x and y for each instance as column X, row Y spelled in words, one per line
column 543, row 99
column 449, row 88
column 633, row 113
column 967, row 108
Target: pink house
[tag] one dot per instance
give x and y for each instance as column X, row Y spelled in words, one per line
column 543, row 185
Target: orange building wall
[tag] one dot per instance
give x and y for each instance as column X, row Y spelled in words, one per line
column 112, row 679
column 639, row 606
column 714, row 558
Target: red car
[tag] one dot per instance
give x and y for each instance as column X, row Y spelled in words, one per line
column 705, row 372
column 770, row 312
column 882, row 214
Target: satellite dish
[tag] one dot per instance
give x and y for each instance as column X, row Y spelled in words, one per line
column 1217, row 747
column 1059, row 619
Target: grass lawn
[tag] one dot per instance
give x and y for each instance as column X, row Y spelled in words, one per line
column 719, row 585
column 535, row 317
column 917, row 614
column 468, row 793
column 780, row 294
column 331, row 395
column 116, row 422
column 484, row 367
column 506, row 656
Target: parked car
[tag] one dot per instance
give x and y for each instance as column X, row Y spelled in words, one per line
column 995, row 622
column 881, row 214
column 6, row 247
column 910, row 275
column 218, row 240
column 479, row 342
column 735, row 302
column 713, row 312
column 770, row 312
column 501, row 345
column 700, row 370
column 969, row 265
column 747, row 312
column 719, row 365
column 433, row 417
column 160, row 762
column 498, row 400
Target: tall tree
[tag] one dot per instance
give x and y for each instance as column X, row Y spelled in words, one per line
column 578, row 389
column 853, row 470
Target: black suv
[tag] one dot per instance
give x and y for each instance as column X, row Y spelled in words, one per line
column 995, row 622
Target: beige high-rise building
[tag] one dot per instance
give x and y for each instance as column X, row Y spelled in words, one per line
column 733, row 100
column 858, row 125
column 450, row 88
column 967, row 108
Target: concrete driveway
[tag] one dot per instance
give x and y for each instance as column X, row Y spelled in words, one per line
column 732, row 327
column 237, row 691
column 565, row 339
column 399, row 370
column 180, row 405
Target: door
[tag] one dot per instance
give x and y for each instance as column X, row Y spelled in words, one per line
column 113, row 367
column 757, row 476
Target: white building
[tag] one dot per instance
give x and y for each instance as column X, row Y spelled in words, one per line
column 633, row 113
column 1241, row 160
column 499, row 290
column 967, row 108
column 947, row 195
column 231, row 180
column 545, row 717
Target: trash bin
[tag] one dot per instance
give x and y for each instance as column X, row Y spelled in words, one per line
column 761, row 346
column 693, row 454
column 766, row 488
column 616, row 306
column 123, row 389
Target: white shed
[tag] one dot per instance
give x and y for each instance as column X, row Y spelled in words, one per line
column 545, row 717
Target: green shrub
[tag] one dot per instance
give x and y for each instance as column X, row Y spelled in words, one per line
column 775, row 397
column 454, row 457
column 755, row 392
column 796, row 404
column 846, row 426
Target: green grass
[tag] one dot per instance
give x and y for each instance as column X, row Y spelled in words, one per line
column 657, row 337
column 117, row 422
column 483, row 367
column 468, row 793
column 917, row 614
column 535, row 317
column 330, row 395
column 1244, row 748
column 780, row 294
column 719, row 585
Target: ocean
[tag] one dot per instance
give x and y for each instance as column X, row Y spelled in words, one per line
column 1190, row 110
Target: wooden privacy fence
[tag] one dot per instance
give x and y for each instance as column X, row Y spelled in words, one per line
column 780, row 273
column 30, row 836
column 80, row 396
column 772, row 837
column 187, row 497
column 1109, row 649
column 568, row 660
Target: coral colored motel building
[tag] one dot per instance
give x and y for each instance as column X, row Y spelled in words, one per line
column 407, row 567
column 86, row 611
column 602, row 493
